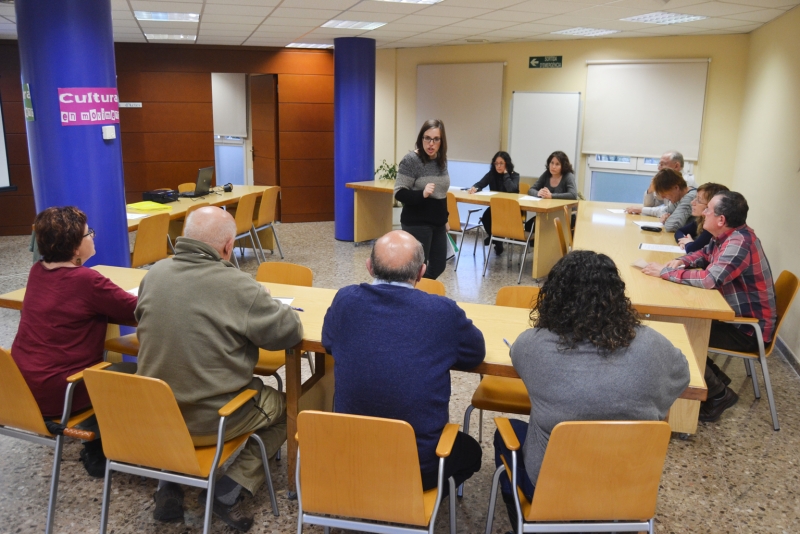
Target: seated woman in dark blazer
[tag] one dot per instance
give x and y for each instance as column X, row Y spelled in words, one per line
column 687, row 236
column 501, row 177
column 587, row 358
column 65, row 312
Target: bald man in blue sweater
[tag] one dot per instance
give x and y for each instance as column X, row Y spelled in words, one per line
column 394, row 347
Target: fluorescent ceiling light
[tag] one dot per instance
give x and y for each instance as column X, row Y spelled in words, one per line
column 353, row 25
column 167, row 17
column 164, row 37
column 586, row 32
column 413, row 1
column 660, row 17
column 308, row 45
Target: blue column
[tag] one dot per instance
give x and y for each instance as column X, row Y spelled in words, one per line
column 353, row 125
column 70, row 44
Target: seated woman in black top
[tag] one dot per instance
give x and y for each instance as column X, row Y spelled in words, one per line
column 686, row 236
column 501, row 177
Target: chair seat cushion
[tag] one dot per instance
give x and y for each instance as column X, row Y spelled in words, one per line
column 501, row 394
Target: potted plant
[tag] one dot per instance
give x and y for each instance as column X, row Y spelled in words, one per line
column 387, row 171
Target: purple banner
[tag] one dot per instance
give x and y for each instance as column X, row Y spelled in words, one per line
column 80, row 106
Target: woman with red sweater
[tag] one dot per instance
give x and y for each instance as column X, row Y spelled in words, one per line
column 65, row 313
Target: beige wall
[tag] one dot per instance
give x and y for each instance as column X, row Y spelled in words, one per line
column 725, row 92
column 768, row 153
column 385, row 102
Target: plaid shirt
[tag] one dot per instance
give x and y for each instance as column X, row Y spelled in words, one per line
column 735, row 264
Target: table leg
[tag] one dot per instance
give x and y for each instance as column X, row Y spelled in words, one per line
column 293, row 393
column 372, row 215
column 546, row 249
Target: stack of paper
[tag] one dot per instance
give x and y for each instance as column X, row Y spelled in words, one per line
column 149, row 205
column 529, row 197
column 134, row 216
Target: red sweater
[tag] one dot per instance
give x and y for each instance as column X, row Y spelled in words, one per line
column 63, row 329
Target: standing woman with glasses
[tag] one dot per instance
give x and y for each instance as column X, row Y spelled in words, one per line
column 422, row 184
column 65, row 312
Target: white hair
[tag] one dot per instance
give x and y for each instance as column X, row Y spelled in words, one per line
column 215, row 231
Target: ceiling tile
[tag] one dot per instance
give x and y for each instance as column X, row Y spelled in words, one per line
column 369, row 17
column 496, row 4
column 610, row 12
column 546, row 6
column 371, row 6
column 716, row 23
column 656, row 5
column 222, row 26
column 341, row 5
column 430, row 21
column 219, row 41
column 536, row 27
column 168, row 27
column 292, row 23
column 119, row 4
column 225, row 33
column 786, row 4
column 514, row 16
column 484, row 25
column 262, row 3
column 121, row 15
column 621, row 25
column 762, row 15
column 383, row 33
column 129, row 39
column 440, row 10
column 712, row 9
column 125, row 24
column 315, row 14
column 6, row 9
column 250, row 11
column 670, row 29
column 411, row 28
column 230, row 19
column 167, row 7
column 335, row 32
column 570, row 19
column 10, row 19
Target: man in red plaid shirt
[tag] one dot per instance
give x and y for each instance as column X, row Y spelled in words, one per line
column 735, row 264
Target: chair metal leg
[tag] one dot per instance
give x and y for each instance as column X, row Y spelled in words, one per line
column 254, row 232
column 171, row 246
column 750, row 365
column 458, row 254
column 265, row 461
column 452, row 505
column 310, row 357
column 255, row 252
column 277, row 241
column 51, row 502
column 106, row 499
column 747, row 367
column 277, row 377
column 209, row 504
column 522, row 261
column 651, row 527
column 486, row 258
column 327, row 530
column 493, row 498
column 467, row 415
column 235, row 261
column 768, row 387
column 480, row 426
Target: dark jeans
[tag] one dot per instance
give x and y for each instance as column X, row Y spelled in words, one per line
column 463, row 462
column 486, row 219
column 523, row 481
column 434, row 243
column 727, row 337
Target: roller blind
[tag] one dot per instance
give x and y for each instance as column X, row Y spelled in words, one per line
column 229, row 103
column 644, row 109
column 468, row 97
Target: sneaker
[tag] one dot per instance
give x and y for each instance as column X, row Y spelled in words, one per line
column 712, row 408
column 94, row 461
column 232, row 515
column 169, row 503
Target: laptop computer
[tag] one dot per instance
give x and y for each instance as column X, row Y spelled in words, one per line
column 203, row 186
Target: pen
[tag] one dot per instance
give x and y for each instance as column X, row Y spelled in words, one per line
column 507, row 343
column 297, row 309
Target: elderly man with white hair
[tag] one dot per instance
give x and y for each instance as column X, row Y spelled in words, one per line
column 201, row 323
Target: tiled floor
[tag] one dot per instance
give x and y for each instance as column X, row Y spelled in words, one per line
column 737, row 475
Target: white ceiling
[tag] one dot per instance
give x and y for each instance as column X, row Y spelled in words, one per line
column 450, row 22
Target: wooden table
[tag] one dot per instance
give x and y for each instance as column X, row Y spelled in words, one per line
column 617, row 236
column 372, row 217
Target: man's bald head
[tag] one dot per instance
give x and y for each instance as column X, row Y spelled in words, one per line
column 397, row 257
column 213, row 226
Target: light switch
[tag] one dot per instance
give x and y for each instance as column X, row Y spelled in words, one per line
column 109, row 132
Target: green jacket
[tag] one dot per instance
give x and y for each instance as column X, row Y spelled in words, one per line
column 201, row 322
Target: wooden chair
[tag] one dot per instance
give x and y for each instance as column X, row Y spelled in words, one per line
column 188, row 187
column 562, row 241
column 603, row 473
column 524, row 185
column 149, row 246
column 269, row 361
column 507, row 228
column 21, row 418
column 434, row 287
column 266, row 218
column 454, row 219
column 244, row 223
column 500, row 393
column 144, row 434
column 785, row 291
column 346, row 473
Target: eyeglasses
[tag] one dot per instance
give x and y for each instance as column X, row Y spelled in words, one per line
column 698, row 201
column 431, row 140
column 90, row 233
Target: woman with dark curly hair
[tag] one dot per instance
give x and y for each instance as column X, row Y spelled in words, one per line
column 587, row 358
column 65, row 312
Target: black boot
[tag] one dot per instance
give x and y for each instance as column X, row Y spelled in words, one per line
column 94, row 461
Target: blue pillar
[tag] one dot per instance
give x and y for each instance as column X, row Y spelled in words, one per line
column 70, row 44
column 353, row 125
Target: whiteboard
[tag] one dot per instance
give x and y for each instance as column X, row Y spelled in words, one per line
column 540, row 124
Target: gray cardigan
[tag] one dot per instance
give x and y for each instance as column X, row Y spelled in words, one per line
column 566, row 189
column 639, row 382
column 681, row 213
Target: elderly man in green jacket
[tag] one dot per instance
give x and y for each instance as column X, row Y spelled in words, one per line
column 201, row 323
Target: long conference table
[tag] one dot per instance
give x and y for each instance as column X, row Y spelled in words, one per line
column 372, row 217
column 495, row 322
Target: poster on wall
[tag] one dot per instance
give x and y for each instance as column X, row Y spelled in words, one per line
column 82, row 106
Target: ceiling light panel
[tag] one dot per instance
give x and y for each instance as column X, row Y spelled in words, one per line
column 412, row 1
column 353, row 25
column 170, row 37
column 585, row 32
column 661, row 17
column 167, row 17
column 309, row 45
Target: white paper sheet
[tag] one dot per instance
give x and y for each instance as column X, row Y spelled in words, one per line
column 134, row 216
column 285, row 300
column 661, row 248
column 654, row 223
column 486, row 193
column 454, row 188
column 616, row 210
column 529, row 197
column 134, row 291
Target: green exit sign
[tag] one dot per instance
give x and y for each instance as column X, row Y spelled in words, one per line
column 545, row 62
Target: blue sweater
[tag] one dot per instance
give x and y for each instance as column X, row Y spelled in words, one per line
column 690, row 229
column 394, row 348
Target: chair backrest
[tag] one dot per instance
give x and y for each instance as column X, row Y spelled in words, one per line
column 785, row 291
column 141, row 422
column 18, row 408
column 562, row 241
column 506, row 218
column 568, row 222
column 601, row 470
column 269, row 202
column 190, row 209
column 345, row 469
column 285, row 273
column 244, row 212
column 434, row 287
column 151, row 240
column 524, row 186
column 453, row 218
column 187, row 187
column 517, row 296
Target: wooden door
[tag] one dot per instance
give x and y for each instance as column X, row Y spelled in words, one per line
column 264, row 116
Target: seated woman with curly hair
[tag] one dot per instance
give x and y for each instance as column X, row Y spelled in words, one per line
column 587, row 358
column 65, row 312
